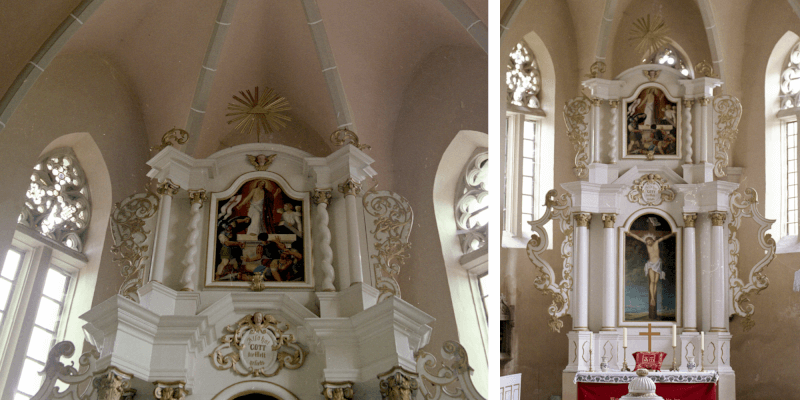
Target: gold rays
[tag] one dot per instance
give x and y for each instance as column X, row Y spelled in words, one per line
column 259, row 115
column 652, row 35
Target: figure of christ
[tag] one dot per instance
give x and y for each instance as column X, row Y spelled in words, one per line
column 652, row 268
column 260, row 206
column 649, row 108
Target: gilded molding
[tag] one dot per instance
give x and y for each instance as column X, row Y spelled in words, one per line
column 197, row 196
column 596, row 69
column 173, row 137
column 452, row 379
column 398, row 384
column 718, row 218
column 575, row 112
column 274, row 348
column 728, row 110
column 746, row 206
column 392, row 218
column 689, row 219
column 130, row 248
column 55, row 370
column 170, row 390
column 350, row 187
column 582, row 219
column 321, row 196
column 609, row 220
column 344, row 136
column 557, row 208
column 167, row 187
column 337, row 390
column 261, row 162
column 650, row 190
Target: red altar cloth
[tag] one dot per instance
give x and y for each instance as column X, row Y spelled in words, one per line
column 669, row 391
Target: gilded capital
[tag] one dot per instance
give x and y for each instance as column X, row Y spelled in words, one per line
column 688, row 103
column 583, row 219
column 350, row 187
column 398, row 384
column 337, row 390
column 197, row 196
column 718, row 218
column 170, row 390
column 596, row 102
column 321, row 196
column 689, row 220
column 609, row 220
column 167, row 187
column 112, row 384
column 613, row 103
column 705, row 100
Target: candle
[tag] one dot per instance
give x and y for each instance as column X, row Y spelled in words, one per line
column 590, row 341
column 625, row 337
column 674, row 335
column 702, row 341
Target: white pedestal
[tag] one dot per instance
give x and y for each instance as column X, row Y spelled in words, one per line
column 348, row 302
column 164, row 301
column 603, row 173
column 698, row 173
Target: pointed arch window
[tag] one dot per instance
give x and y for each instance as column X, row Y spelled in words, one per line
column 472, row 205
column 523, row 77
column 670, row 56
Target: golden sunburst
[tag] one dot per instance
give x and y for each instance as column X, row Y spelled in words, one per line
column 259, row 115
column 652, row 35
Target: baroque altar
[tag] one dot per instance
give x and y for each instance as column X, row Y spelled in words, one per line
column 648, row 232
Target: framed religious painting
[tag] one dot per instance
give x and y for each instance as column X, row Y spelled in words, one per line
column 652, row 129
column 650, row 270
column 259, row 229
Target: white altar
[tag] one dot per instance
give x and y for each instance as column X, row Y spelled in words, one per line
column 650, row 227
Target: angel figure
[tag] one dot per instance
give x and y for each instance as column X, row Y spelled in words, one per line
column 261, row 161
column 292, row 218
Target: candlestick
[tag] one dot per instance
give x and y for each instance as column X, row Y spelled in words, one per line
column 674, row 365
column 625, row 359
column 624, row 337
column 702, row 356
column 590, row 359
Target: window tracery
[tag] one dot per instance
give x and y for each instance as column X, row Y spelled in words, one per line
column 57, row 203
column 523, row 78
column 790, row 80
column 670, row 57
column 472, row 214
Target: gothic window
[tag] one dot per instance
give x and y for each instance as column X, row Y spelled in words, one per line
column 57, row 201
column 472, row 214
column 671, row 57
column 788, row 98
column 523, row 78
column 790, row 80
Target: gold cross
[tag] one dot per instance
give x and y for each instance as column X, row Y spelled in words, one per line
column 649, row 335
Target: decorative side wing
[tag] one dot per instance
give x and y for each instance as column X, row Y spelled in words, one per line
column 575, row 116
column 728, row 110
column 55, row 370
column 391, row 217
column 558, row 208
column 452, row 381
column 130, row 249
column 745, row 206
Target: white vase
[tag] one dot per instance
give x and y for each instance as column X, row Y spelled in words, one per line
column 604, row 364
column 691, row 366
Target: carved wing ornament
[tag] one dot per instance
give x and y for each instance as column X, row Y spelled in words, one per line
column 745, row 205
column 575, row 116
column 558, row 208
column 728, row 110
column 130, row 248
column 55, row 370
column 451, row 381
column 392, row 220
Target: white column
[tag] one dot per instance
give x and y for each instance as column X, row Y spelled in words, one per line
column 322, row 197
column 687, row 131
column 689, row 274
column 609, row 273
column 350, row 188
column 581, row 316
column 718, row 293
column 704, row 131
column 595, row 131
column 192, row 241
column 612, row 153
column 166, row 189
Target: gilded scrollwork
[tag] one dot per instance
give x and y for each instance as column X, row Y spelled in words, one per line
column 173, row 137
column 129, row 218
column 728, row 110
column 451, row 379
column 344, row 136
column 258, row 345
column 575, row 116
column 746, row 206
column 651, row 190
column 705, row 69
column 55, row 370
column 596, row 69
column 558, row 208
column 392, row 218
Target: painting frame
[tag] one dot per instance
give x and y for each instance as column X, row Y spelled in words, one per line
column 282, row 236
column 645, row 134
column 624, row 286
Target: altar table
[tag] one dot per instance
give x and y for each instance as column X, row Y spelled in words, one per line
column 669, row 385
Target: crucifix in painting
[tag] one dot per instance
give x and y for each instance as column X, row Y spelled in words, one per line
column 650, row 260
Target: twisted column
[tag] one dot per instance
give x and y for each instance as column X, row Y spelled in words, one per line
column 595, row 130
column 166, row 190
column 718, row 292
column 350, row 188
column 581, row 316
column 614, row 130
column 322, row 197
column 689, row 274
column 687, row 129
column 609, row 273
column 189, row 262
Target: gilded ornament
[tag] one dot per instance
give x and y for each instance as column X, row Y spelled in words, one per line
column 746, row 206
column 613, row 103
column 575, row 114
column 259, row 115
column 258, row 345
column 728, row 110
column 451, row 379
column 257, row 282
column 261, row 162
column 583, row 219
column 398, row 384
column 650, row 34
column 558, row 208
column 55, row 371
column 167, row 187
column 392, row 218
column 718, row 218
column 337, row 390
column 688, row 103
column 173, row 137
column 112, row 384
column 130, row 248
column 689, row 219
column 170, row 390
column 596, row 102
column 652, row 75
column 651, row 155
column 704, row 101
column 705, row 69
column 609, row 220
column 344, row 136
column 197, row 196
column 350, row 187
column 597, row 68
column 651, row 190
column 321, row 196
